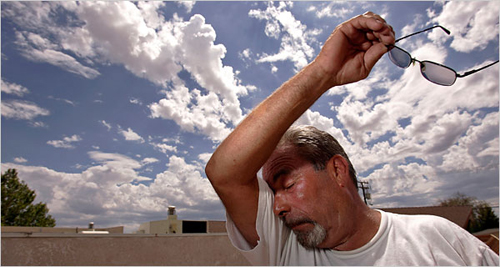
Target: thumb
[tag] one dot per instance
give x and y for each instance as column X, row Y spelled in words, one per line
column 373, row 54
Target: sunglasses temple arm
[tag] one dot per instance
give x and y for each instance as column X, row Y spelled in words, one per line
column 424, row 30
column 467, row 73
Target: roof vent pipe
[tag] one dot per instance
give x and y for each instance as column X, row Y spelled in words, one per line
column 171, row 210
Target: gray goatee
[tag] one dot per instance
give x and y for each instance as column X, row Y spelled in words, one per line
column 311, row 238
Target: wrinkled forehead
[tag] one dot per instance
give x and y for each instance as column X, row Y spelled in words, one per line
column 282, row 157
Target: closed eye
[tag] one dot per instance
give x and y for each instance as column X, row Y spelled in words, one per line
column 279, row 174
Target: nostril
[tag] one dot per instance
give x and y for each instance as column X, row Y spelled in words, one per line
column 282, row 214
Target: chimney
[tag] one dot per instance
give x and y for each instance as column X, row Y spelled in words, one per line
column 91, row 225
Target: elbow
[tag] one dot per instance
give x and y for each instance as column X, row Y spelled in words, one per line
column 211, row 171
column 218, row 173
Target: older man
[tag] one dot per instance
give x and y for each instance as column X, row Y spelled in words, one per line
column 307, row 210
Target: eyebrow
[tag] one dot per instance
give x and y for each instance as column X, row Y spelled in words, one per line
column 280, row 173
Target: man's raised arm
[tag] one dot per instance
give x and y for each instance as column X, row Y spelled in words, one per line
column 347, row 56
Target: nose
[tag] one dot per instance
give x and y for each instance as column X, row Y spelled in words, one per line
column 280, row 206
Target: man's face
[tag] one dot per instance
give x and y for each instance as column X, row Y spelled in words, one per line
column 303, row 197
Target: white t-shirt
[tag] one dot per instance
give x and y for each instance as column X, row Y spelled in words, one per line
column 400, row 240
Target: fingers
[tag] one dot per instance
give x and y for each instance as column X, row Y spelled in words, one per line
column 374, row 26
column 372, row 34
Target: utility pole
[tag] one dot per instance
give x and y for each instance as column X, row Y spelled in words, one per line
column 364, row 185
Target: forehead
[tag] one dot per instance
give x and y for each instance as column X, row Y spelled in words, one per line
column 283, row 158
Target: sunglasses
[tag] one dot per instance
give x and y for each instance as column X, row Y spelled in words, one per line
column 432, row 71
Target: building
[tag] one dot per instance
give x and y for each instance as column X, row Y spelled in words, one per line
column 172, row 225
column 457, row 214
column 61, row 230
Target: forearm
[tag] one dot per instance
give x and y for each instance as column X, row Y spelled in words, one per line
column 247, row 148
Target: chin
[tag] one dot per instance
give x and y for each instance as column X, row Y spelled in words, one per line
column 313, row 238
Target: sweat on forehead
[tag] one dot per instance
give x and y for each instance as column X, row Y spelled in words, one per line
column 279, row 159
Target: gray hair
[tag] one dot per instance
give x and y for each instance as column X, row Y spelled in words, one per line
column 316, row 146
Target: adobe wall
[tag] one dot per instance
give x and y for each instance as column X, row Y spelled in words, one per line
column 119, row 249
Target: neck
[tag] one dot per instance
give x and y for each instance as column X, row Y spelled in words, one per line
column 366, row 224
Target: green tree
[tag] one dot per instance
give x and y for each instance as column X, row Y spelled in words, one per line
column 485, row 217
column 17, row 207
column 482, row 217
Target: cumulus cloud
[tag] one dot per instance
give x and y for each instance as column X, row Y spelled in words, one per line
column 296, row 39
column 472, row 24
column 164, row 148
column 193, row 111
column 187, row 4
column 138, row 37
column 111, row 192
column 130, row 135
column 417, row 138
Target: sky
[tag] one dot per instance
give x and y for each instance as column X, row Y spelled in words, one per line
column 110, row 110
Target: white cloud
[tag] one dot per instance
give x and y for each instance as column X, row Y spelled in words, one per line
column 193, row 111
column 164, row 148
column 203, row 59
column 38, row 124
column 105, row 124
column 66, row 142
column 130, row 135
column 109, row 193
column 15, row 89
column 187, row 4
column 20, row 160
column 135, row 101
column 149, row 12
column 69, row 102
column 22, row 110
column 138, row 37
column 31, row 51
column 204, row 157
column 147, row 161
column 296, row 40
column 472, row 24
column 332, row 10
column 478, row 149
column 421, row 141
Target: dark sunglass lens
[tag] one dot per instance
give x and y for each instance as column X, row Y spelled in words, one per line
column 437, row 73
column 400, row 57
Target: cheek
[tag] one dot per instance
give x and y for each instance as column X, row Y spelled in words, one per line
column 301, row 193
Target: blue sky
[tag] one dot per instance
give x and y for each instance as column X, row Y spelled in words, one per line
column 110, row 110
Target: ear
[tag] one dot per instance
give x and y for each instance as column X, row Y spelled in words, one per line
column 338, row 168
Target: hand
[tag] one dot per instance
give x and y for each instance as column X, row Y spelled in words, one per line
column 353, row 48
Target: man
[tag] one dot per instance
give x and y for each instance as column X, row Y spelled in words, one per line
column 308, row 211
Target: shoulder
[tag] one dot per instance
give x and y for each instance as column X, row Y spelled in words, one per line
column 430, row 226
column 448, row 243
column 420, row 219
column 427, row 221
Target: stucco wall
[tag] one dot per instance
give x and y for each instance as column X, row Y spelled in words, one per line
column 119, row 249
